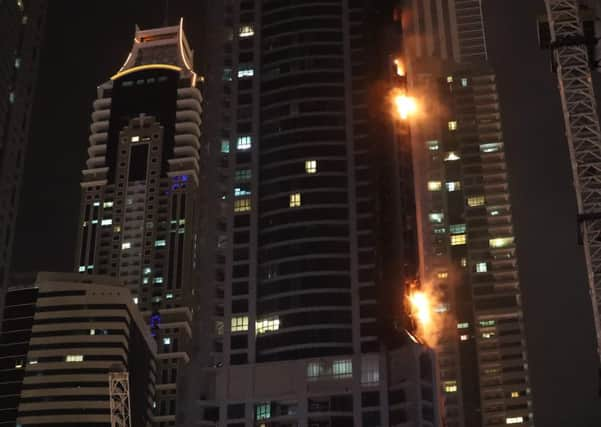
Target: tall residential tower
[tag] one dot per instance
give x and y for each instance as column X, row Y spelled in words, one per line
column 140, row 214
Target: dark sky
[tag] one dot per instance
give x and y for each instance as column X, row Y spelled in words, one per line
column 87, row 41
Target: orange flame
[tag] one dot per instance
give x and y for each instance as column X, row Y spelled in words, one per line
column 428, row 310
column 400, row 67
column 405, row 105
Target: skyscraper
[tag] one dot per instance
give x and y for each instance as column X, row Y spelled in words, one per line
column 313, row 236
column 23, row 25
column 140, row 195
column 467, row 239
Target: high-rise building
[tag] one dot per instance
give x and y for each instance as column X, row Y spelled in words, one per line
column 22, row 24
column 468, row 247
column 313, row 235
column 62, row 335
column 140, row 214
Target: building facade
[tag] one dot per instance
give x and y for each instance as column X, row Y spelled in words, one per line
column 468, row 247
column 140, row 214
column 313, row 226
column 23, row 24
column 62, row 335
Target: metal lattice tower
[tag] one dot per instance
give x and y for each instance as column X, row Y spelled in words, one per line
column 583, row 134
column 119, row 399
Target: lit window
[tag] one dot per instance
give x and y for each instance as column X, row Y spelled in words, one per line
column 107, row 205
column 463, row 262
column 487, row 323
column 11, row 97
column 94, row 221
column 90, row 267
column 227, row 74
column 157, row 280
column 147, row 270
column 314, row 369
column 159, row 243
column 240, row 324
column 263, row 411
column 244, row 142
column 453, row 186
column 450, row 386
column 82, row 268
column 135, row 139
column 432, row 145
column 246, row 31
column 442, row 275
column 515, row 394
column 225, row 146
column 463, row 325
column 457, row 228
column 475, row 201
column 440, row 230
column 453, row 125
column 246, row 72
column 145, row 280
column 449, row 79
column 135, row 300
column 494, row 213
column 33, row 362
column 74, row 358
column 295, row 200
column 481, row 267
column 501, row 242
column 169, row 296
column 436, row 217
column 463, row 337
column 239, row 192
column 311, row 166
column 166, row 341
column 514, row 420
column 243, row 175
column 370, row 370
column 464, row 82
column 105, row 222
column 268, row 325
column 434, row 185
column 126, row 245
column 458, row 239
column 488, row 335
column 490, row 148
column 441, row 308
column 92, row 331
column 242, row 205
column 96, row 203
column 117, row 229
column 19, row 364
column 451, row 157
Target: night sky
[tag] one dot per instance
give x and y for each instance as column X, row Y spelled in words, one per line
column 88, row 41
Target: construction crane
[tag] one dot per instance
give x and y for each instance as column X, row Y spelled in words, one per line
column 119, row 398
column 572, row 61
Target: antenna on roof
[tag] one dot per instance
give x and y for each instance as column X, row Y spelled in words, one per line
column 166, row 17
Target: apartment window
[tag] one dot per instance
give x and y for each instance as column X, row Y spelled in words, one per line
column 244, row 142
column 240, row 192
column 295, row 200
column 436, row 217
column 159, row 243
column 74, row 358
column 490, row 148
column 501, row 242
column 311, row 166
column 342, row 368
column 453, row 125
column 432, row 145
column 242, row 205
column 126, row 245
column 458, row 239
column 263, row 411
column 463, row 262
column 457, row 228
column 246, row 71
column 268, row 325
column 451, row 157
column 463, row 337
column 515, row 394
column 225, row 146
column 169, row 296
column 464, row 82
column 106, row 222
column 157, row 280
column 11, row 97
column 135, row 139
column 475, row 201
column 463, row 325
column 450, row 386
column 514, row 420
column 107, row 205
column 82, row 268
column 494, row 213
column 135, row 300
column 370, row 370
column 240, row 324
column 442, row 275
column 481, row 267
column 487, row 323
column 434, row 185
column 453, row 186
column 147, row 271
column 243, row 175
column 246, row 31
column 449, row 79
column 488, row 335
column 166, row 341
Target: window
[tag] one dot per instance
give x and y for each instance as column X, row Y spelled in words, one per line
column 442, row 275
column 169, row 296
column 157, row 280
column 313, row 369
column 463, row 262
column 450, row 386
column 105, row 222
column 453, row 186
column 451, row 157
column 135, row 139
column 246, row 31
column 463, row 325
column 240, row 324
column 166, row 341
column 481, row 267
column 245, row 71
column 490, row 148
column 74, row 358
column 243, row 175
column 239, row 192
column 514, row 420
column 126, row 245
column 244, row 142
column 515, row 394
column 453, row 125
column 159, row 243
column 268, row 325
column 135, row 299
column 457, row 228
column 434, row 185
column 370, row 370
column 82, row 268
column 474, row 201
column 337, row 369
column 464, row 82
column 11, row 97
column 432, row 145
column 487, row 323
column 494, row 213
column 488, row 335
column 342, row 368
column 436, row 217
column 449, row 79
column 242, row 205
column 147, row 270
column 463, row 337
column 458, row 239
column 311, row 166
column 263, row 411
column 225, row 146
column 107, row 205
column 501, row 242
column 295, row 200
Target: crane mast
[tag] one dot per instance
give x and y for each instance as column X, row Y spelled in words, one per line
column 583, row 134
column 119, row 399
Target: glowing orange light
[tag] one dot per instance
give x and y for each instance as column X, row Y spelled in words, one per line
column 421, row 308
column 405, row 105
column 400, row 67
